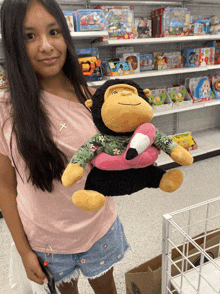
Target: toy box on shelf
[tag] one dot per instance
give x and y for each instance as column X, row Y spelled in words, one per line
column 189, row 57
column 89, row 20
column 142, row 28
column 146, row 62
column 116, row 68
column 199, row 27
column 170, row 22
column 205, row 56
column 159, row 100
column 90, row 63
column 179, row 96
column 134, row 59
column 173, row 60
column 216, row 45
column 70, row 19
column 199, row 89
column 118, row 21
column 185, row 140
column 159, row 60
column 216, row 86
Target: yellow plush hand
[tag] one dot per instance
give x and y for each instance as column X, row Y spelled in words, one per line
column 181, row 156
column 72, row 174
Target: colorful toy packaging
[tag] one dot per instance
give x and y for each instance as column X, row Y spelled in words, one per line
column 159, row 99
column 118, row 21
column 199, row 27
column 200, row 89
column 70, row 15
column 159, row 60
column 185, row 140
column 216, row 45
column 179, row 96
column 142, row 28
column 216, row 86
column 89, row 20
column 168, row 22
column 173, row 60
column 146, row 62
column 90, row 63
column 190, row 59
column 206, row 56
column 116, row 67
column 134, row 59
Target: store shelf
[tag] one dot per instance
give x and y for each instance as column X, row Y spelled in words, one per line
column 93, row 34
column 157, row 40
column 208, row 141
column 110, row 2
column 156, row 73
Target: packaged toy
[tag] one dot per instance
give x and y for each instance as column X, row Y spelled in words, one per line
column 173, row 60
column 159, row 100
column 123, row 151
column 89, row 20
column 153, row 24
column 159, row 60
column 146, row 62
column 179, row 96
column 185, row 140
column 215, row 26
column 142, row 28
column 206, row 56
column 116, row 68
column 216, row 86
column 171, row 21
column 118, row 21
column 216, row 45
column 190, row 59
column 200, row 90
column 90, row 63
column 69, row 15
column 205, row 23
column 134, row 59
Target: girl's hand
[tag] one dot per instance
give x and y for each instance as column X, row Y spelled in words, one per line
column 33, row 268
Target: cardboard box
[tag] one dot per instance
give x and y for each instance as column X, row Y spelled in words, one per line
column 147, row 277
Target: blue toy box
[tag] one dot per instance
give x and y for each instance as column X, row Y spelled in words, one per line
column 89, row 20
column 200, row 89
column 116, row 67
column 146, row 62
column 189, row 57
column 216, row 86
column 91, row 64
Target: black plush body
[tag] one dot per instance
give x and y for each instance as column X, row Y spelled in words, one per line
column 123, row 182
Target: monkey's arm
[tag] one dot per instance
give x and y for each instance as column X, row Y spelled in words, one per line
column 75, row 169
column 176, row 152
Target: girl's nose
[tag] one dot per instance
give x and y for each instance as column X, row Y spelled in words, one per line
column 45, row 44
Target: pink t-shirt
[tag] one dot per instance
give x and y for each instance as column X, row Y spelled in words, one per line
column 52, row 218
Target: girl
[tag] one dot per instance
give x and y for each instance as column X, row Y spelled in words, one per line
column 38, row 115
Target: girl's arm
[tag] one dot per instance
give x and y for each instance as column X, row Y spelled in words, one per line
column 8, row 206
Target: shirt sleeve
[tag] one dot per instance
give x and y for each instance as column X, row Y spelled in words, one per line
column 164, row 143
column 88, row 151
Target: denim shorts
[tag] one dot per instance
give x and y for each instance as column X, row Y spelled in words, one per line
column 93, row 263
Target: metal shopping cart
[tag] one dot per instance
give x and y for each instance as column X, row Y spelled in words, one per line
column 191, row 250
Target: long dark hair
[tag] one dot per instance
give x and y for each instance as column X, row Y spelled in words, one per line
column 31, row 124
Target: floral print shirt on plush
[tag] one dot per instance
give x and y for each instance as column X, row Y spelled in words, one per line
column 114, row 146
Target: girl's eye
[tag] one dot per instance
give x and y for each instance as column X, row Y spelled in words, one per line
column 54, row 32
column 29, row 36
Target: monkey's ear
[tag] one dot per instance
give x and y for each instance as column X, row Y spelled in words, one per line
column 88, row 103
column 147, row 92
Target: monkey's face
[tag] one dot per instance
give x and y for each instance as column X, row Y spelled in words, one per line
column 123, row 110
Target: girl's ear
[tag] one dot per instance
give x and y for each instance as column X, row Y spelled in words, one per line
column 88, row 103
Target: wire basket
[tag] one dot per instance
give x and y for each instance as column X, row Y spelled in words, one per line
column 191, row 249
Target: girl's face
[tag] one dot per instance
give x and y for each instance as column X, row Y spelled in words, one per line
column 45, row 45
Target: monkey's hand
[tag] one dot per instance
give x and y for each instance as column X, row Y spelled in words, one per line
column 72, row 174
column 181, row 156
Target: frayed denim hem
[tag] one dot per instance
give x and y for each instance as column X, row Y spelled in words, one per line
column 104, row 272
column 68, row 279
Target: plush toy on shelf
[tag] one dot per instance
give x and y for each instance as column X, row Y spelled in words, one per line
column 123, row 152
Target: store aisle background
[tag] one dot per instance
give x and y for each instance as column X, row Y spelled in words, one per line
column 141, row 215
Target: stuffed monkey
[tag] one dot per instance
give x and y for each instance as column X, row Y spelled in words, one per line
column 123, row 151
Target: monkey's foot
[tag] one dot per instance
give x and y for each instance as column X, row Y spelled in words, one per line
column 171, row 181
column 88, row 200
